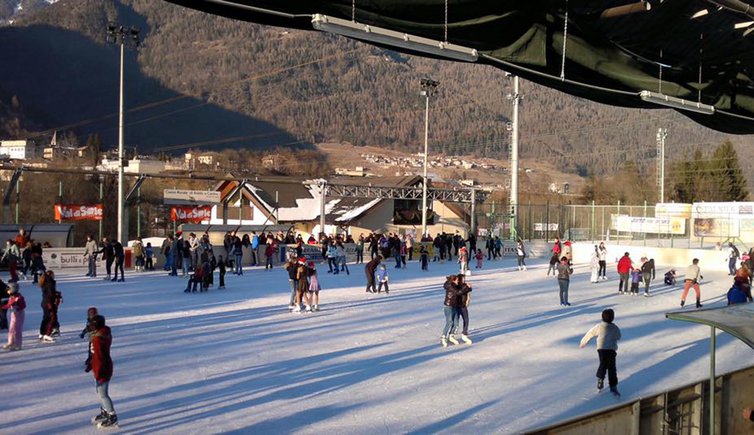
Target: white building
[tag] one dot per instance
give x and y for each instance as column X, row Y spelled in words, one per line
column 19, row 149
column 135, row 166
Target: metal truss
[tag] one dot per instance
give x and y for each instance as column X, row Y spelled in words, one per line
column 407, row 192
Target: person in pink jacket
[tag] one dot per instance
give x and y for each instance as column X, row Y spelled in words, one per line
column 17, row 305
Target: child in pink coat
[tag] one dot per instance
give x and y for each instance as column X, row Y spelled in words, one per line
column 17, row 305
column 479, row 258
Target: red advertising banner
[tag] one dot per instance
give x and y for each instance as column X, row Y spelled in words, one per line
column 78, row 212
column 193, row 214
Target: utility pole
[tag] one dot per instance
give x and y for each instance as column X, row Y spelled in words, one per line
column 515, row 98
column 121, row 35
column 429, row 89
column 662, row 133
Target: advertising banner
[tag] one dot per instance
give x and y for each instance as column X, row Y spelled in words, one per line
column 732, row 210
column 78, row 212
column 190, row 197
column 672, row 209
column 710, row 227
column 191, row 214
column 540, row 226
column 658, row 225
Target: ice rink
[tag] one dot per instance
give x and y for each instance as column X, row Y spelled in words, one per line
column 237, row 361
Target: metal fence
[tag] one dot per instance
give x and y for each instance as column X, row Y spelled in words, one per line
column 592, row 223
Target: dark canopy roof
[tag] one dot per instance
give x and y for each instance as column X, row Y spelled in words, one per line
column 705, row 47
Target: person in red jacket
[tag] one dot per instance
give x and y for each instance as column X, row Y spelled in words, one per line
column 101, row 365
column 624, row 270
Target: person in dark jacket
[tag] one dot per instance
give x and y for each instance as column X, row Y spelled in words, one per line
column 647, row 273
column 369, row 270
column 463, row 306
column 120, row 258
column 47, row 284
column 453, row 290
column 221, row 274
column 564, row 280
column 108, row 255
column 101, row 366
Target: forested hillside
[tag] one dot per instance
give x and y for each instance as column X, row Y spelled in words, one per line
column 305, row 87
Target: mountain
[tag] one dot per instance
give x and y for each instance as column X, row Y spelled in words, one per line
column 212, row 82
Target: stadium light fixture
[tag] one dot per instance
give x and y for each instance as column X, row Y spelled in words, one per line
column 378, row 35
column 676, row 103
column 699, row 14
column 632, row 8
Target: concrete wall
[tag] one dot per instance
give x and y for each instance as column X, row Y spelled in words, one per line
column 683, row 410
column 680, row 258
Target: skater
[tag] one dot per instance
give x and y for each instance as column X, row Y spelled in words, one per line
column 382, row 278
column 733, row 256
column 568, row 251
column 314, row 287
column 464, row 299
column 332, row 259
column 479, row 258
column 195, row 280
column 120, row 258
column 554, row 260
column 341, row 262
column 137, row 251
column 302, row 289
column 635, row 280
column 452, row 292
column 736, row 295
column 360, row 249
column 743, row 280
column 221, row 267
column 101, row 366
column 602, row 261
column 4, row 298
column 647, row 273
column 369, row 271
column 607, row 334
column 90, row 256
column 594, row 265
column 17, row 306
column 463, row 260
column 290, row 267
column 269, row 251
column 11, row 256
column 670, row 277
column 693, row 275
column 90, row 313
column 149, row 257
column 108, row 255
column 424, row 257
column 47, row 284
column 521, row 254
column 624, row 270
column 564, row 279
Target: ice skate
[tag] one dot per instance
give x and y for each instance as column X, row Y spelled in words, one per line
column 308, row 308
column 600, row 384
column 7, row 346
column 453, row 339
column 296, row 309
column 615, row 391
column 102, row 416
column 683, row 302
column 698, row 304
column 48, row 339
column 110, row 422
column 444, row 341
column 465, row 338
column 646, row 294
column 315, row 307
column 55, row 333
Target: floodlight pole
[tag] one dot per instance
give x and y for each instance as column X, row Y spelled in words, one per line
column 662, row 133
column 514, row 160
column 712, row 380
column 120, row 150
column 428, row 88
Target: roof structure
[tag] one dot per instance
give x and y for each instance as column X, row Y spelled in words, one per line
column 737, row 320
column 697, row 53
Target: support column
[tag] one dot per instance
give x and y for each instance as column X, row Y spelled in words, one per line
column 712, row 380
column 514, row 161
column 322, row 203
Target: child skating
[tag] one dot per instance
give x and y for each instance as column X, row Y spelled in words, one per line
column 314, row 287
column 636, row 277
column 479, row 258
column 382, row 279
column 17, row 306
column 607, row 334
column 424, row 258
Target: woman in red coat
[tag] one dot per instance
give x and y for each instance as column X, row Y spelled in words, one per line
column 101, row 365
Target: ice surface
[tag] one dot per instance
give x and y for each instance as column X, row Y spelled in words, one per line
column 236, row 360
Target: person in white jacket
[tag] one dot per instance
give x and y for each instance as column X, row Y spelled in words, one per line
column 594, row 265
column 602, row 261
column 607, row 334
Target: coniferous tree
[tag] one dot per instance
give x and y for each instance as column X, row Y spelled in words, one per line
column 726, row 174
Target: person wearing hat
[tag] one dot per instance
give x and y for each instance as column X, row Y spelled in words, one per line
column 101, row 366
column 17, row 305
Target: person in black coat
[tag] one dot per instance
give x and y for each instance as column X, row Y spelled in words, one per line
column 120, row 258
column 369, row 270
column 108, row 254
